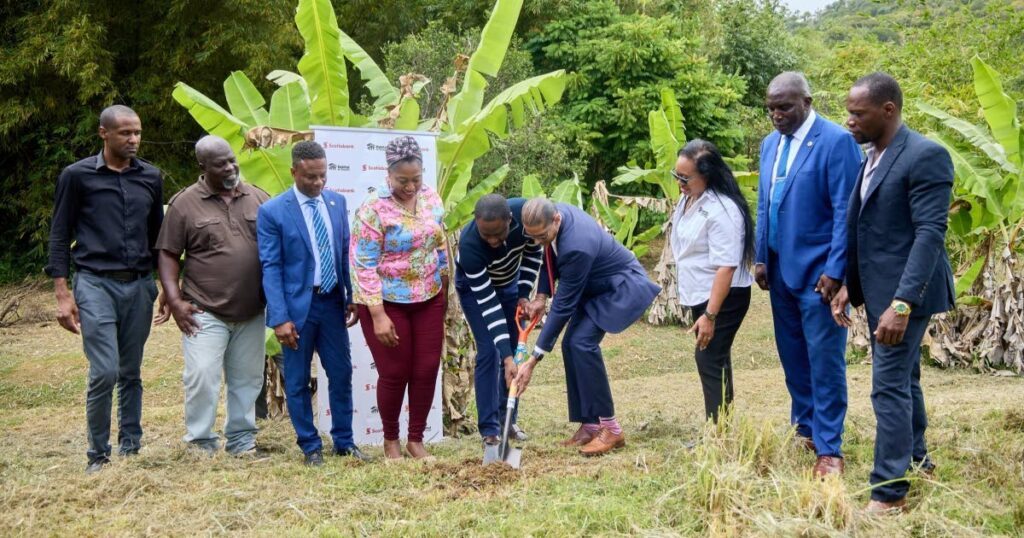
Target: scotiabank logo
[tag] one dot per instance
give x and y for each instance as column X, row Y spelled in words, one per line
column 374, row 167
column 368, row 387
column 371, row 431
column 333, row 145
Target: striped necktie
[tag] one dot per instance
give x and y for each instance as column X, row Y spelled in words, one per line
column 328, row 276
column 776, row 195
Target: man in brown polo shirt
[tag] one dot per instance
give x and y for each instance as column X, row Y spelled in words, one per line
column 219, row 307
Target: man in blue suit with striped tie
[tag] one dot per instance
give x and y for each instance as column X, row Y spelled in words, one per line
column 303, row 241
column 808, row 168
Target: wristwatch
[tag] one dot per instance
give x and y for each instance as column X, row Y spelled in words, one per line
column 711, row 317
column 537, row 355
column 902, row 308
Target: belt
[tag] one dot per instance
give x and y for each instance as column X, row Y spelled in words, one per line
column 316, row 290
column 121, row 276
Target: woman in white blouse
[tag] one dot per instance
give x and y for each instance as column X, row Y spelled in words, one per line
column 713, row 243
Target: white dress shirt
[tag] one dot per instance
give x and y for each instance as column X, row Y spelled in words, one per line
column 708, row 236
column 794, row 146
column 869, row 170
column 307, row 214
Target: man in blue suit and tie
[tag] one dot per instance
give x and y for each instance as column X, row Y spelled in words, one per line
column 899, row 271
column 602, row 288
column 303, row 241
column 808, row 167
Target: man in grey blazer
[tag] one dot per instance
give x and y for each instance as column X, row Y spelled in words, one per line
column 898, row 268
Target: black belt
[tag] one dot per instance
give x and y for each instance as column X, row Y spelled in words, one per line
column 122, row 276
column 316, row 290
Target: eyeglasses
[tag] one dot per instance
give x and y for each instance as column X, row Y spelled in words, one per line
column 540, row 236
column 679, row 177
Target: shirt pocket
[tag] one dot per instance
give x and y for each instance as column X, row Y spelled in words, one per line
column 209, row 233
column 250, row 222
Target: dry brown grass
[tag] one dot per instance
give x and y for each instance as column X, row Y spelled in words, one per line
column 743, row 479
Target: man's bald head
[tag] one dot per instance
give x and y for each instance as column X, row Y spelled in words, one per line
column 211, row 146
column 110, row 115
column 790, row 82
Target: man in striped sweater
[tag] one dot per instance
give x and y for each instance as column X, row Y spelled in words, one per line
column 496, row 270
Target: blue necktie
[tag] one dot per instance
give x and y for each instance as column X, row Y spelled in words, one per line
column 328, row 278
column 780, row 183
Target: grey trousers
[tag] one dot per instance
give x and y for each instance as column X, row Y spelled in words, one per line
column 236, row 350
column 115, row 320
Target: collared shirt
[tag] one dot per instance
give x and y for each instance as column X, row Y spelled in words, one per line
column 307, row 213
column 222, row 263
column 870, row 166
column 113, row 217
column 708, row 236
column 794, row 147
column 398, row 256
column 484, row 268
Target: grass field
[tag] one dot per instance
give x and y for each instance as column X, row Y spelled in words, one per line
column 675, row 477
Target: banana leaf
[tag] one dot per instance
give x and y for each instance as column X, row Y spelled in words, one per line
column 978, row 137
column 532, row 187
column 244, row 100
column 268, row 169
column 289, row 107
column 463, row 211
column 999, row 109
column 323, row 64
column 376, row 81
column 210, row 116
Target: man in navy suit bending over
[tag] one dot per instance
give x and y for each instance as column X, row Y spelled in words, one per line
column 303, row 241
column 899, row 271
column 808, row 166
column 602, row 288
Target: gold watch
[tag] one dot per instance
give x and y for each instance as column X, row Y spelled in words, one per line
column 902, row 308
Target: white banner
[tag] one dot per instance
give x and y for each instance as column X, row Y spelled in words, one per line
column 355, row 167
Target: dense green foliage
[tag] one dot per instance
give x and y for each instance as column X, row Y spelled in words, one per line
column 61, row 62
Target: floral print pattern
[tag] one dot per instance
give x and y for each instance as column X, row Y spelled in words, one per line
column 398, row 256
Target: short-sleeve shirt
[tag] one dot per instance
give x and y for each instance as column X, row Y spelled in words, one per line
column 398, row 256
column 222, row 263
column 708, row 236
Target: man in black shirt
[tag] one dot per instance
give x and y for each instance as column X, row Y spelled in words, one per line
column 111, row 206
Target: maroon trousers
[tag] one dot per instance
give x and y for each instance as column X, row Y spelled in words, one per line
column 412, row 365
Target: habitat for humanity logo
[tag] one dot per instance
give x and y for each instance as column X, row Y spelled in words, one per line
column 338, row 167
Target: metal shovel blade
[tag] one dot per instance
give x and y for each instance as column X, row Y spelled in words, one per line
column 513, row 458
column 492, row 454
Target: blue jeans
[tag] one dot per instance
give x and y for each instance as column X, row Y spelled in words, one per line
column 489, row 374
column 237, row 349
column 325, row 333
column 115, row 318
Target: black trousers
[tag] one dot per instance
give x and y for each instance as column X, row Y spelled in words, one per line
column 714, row 363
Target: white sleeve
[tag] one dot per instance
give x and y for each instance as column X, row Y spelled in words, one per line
column 725, row 237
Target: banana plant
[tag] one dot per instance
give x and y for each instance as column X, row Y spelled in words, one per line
column 985, row 222
column 318, row 94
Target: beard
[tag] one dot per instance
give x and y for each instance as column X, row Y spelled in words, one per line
column 230, row 183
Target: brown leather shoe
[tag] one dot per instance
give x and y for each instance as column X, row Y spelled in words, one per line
column 603, row 443
column 882, row 508
column 827, row 465
column 580, row 438
column 806, row 443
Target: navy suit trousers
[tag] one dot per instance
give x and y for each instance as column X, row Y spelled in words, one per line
column 812, row 349
column 587, row 387
column 324, row 332
column 898, row 402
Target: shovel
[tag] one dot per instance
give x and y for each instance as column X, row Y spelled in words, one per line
column 503, row 451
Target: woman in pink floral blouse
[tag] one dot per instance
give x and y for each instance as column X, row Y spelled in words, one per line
column 400, row 267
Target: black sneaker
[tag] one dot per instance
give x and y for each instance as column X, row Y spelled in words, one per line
column 96, row 466
column 314, row 459
column 355, row 453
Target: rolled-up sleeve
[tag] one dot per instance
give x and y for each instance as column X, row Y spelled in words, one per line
column 65, row 208
column 725, row 240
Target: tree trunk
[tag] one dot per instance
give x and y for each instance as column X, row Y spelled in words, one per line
column 666, row 309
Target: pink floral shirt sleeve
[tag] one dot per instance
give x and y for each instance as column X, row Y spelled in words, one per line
column 398, row 256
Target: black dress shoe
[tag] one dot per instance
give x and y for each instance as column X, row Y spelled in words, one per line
column 314, row 459
column 491, row 440
column 354, row 452
column 96, row 466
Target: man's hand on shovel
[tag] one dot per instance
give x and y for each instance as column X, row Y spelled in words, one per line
column 522, row 379
column 511, row 369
